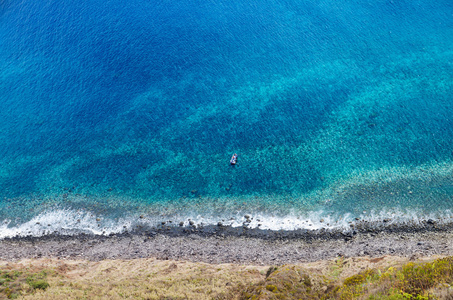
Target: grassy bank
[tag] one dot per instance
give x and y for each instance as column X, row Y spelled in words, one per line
column 343, row 278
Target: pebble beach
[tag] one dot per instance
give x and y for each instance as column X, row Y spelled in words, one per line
column 232, row 245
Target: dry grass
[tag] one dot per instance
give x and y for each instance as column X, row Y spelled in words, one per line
column 138, row 279
column 351, row 278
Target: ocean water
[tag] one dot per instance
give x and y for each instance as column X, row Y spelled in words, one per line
column 116, row 114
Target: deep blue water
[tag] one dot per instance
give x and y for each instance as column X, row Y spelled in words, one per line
column 111, row 110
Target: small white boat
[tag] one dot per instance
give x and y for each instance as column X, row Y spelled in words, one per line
column 234, row 159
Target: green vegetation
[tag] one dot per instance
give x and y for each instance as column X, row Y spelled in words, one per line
column 38, row 280
column 417, row 281
column 14, row 283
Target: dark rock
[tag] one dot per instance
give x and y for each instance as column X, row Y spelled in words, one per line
column 163, row 222
column 431, row 222
column 181, row 224
column 191, row 222
column 247, row 217
column 219, row 224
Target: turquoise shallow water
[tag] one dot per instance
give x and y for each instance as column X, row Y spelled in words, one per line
column 111, row 111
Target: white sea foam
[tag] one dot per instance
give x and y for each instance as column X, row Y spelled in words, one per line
column 63, row 221
column 70, row 222
column 320, row 219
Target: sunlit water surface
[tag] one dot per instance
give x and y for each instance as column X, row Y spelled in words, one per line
column 115, row 114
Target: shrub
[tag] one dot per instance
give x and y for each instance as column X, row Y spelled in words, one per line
column 271, row 288
column 38, row 284
column 359, row 278
column 38, row 281
column 417, row 279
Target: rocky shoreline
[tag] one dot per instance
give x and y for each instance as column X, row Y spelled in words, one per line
column 226, row 244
